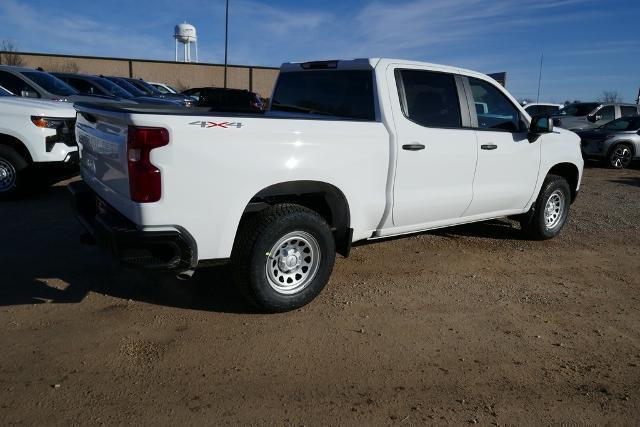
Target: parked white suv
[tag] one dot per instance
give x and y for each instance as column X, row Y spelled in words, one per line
column 35, row 136
column 349, row 151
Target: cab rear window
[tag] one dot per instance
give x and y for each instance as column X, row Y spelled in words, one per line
column 346, row 94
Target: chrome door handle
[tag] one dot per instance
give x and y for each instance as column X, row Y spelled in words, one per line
column 413, row 147
column 488, row 146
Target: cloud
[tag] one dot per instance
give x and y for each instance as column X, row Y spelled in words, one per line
column 73, row 33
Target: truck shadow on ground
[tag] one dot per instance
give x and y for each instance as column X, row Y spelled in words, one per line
column 43, row 261
column 633, row 181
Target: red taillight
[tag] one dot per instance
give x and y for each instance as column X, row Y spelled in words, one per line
column 145, row 182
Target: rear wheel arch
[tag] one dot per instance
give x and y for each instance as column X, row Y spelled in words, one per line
column 17, row 145
column 570, row 173
column 324, row 198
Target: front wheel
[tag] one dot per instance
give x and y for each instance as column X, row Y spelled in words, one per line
column 283, row 257
column 12, row 173
column 620, row 156
column 550, row 211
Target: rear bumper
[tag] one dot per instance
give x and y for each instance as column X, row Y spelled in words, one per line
column 172, row 248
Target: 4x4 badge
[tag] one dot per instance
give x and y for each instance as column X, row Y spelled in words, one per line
column 224, row 125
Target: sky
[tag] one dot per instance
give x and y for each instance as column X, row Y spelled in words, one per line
column 589, row 46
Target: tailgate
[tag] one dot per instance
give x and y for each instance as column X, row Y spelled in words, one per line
column 102, row 142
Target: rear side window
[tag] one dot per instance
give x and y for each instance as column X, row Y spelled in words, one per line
column 553, row 110
column 629, row 111
column 428, row 98
column 497, row 111
column 345, row 94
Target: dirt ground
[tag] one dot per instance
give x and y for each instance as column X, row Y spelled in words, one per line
column 464, row 325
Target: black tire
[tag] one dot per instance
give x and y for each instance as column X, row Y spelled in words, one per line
column 620, row 156
column 541, row 223
column 12, row 173
column 306, row 235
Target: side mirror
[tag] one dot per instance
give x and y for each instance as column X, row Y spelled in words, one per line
column 29, row 94
column 541, row 124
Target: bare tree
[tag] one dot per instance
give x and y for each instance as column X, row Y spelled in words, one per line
column 610, row 96
column 9, row 55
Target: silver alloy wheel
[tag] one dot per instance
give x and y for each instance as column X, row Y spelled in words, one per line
column 554, row 209
column 621, row 156
column 293, row 262
column 7, row 175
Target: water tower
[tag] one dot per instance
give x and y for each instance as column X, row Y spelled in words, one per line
column 186, row 34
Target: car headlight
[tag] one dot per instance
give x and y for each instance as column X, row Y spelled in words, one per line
column 47, row 122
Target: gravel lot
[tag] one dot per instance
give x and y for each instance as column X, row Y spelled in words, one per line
column 464, row 325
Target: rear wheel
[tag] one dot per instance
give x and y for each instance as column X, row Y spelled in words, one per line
column 620, row 156
column 12, row 172
column 550, row 211
column 283, row 257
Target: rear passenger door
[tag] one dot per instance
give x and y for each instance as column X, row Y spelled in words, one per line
column 508, row 164
column 436, row 154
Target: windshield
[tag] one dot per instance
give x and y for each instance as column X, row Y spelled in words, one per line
column 112, row 88
column 4, row 92
column 164, row 88
column 127, row 86
column 579, row 109
column 50, row 83
column 145, row 87
column 623, row 124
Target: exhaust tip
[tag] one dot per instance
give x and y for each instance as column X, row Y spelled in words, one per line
column 185, row 275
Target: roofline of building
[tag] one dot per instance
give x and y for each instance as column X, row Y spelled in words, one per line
column 157, row 61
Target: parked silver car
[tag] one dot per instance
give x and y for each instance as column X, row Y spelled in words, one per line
column 589, row 115
column 616, row 143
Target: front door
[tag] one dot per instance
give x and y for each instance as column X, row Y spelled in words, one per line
column 508, row 163
column 436, row 149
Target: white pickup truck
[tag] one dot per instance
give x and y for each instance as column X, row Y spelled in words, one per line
column 36, row 138
column 349, row 151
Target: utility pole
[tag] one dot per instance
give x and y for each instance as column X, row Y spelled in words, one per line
column 226, row 41
column 540, row 75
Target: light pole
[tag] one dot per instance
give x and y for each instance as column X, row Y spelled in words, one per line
column 226, row 41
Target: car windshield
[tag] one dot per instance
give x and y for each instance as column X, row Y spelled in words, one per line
column 127, row 86
column 4, row 92
column 623, row 124
column 113, row 88
column 579, row 109
column 145, row 87
column 50, row 83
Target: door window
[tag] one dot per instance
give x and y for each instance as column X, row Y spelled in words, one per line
column 629, row 111
column 14, row 84
column 493, row 109
column 429, row 99
column 84, row 86
column 606, row 114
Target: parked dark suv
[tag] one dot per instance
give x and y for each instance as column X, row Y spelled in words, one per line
column 94, row 85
